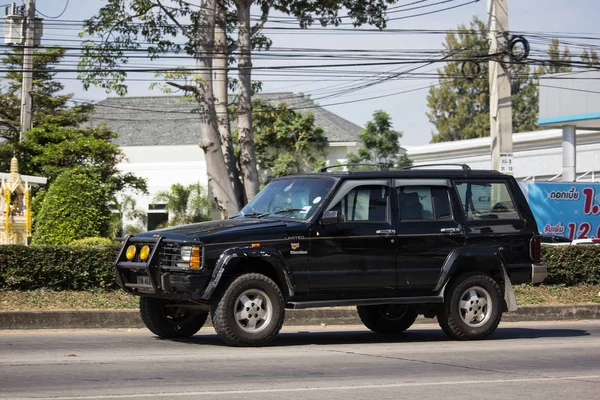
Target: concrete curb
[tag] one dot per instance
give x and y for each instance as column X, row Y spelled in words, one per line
column 93, row 319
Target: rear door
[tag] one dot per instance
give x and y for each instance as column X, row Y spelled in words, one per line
column 428, row 229
column 496, row 214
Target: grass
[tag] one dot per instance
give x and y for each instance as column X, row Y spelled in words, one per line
column 557, row 294
column 37, row 300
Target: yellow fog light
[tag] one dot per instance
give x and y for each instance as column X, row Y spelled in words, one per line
column 195, row 259
column 144, row 253
column 130, row 253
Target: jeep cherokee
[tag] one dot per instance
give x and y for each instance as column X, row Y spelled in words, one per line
column 445, row 243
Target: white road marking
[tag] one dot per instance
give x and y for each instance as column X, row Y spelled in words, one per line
column 313, row 389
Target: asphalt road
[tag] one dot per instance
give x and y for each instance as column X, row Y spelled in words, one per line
column 522, row 361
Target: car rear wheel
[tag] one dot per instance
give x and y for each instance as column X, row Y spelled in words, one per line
column 250, row 312
column 472, row 308
column 387, row 318
column 170, row 319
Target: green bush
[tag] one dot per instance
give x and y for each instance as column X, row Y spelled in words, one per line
column 57, row 267
column 572, row 265
column 93, row 241
column 74, row 207
column 91, row 267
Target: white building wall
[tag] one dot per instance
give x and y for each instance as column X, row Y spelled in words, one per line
column 537, row 155
column 337, row 153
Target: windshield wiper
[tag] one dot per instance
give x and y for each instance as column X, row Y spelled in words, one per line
column 262, row 215
column 254, row 215
column 286, row 210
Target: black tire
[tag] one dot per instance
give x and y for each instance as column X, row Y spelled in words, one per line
column 165, row 319
column 253, row 320
column 387, row 318
column 471, row 320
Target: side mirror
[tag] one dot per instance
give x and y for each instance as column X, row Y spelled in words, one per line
column 330, row 217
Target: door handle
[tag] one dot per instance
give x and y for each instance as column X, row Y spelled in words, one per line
column 450, row 230
column 385, row 231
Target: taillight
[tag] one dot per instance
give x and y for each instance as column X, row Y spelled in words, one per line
column 536, row 249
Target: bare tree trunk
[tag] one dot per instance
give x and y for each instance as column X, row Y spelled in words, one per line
column 221, row 101
column 218, row 176
column 244, row 112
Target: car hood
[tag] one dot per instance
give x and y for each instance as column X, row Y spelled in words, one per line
column 216, row 228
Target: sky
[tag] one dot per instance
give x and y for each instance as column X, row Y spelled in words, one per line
column 408, row 110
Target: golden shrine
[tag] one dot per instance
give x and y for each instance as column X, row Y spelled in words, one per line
column 15, row 207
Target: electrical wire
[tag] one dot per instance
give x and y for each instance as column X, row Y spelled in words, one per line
column 59, row 15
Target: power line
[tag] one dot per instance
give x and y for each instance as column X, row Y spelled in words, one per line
column 435, row 11
column 59, row 15
column 307, row 107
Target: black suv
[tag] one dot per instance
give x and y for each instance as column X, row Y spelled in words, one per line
column 438, row 242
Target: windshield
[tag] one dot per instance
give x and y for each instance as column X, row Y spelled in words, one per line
column 288, row 198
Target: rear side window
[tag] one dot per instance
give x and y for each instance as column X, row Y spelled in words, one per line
column 486, row 201
column 423, row 203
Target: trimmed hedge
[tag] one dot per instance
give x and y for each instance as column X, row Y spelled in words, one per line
column 91, row 267
column 93, row 241
column 572, row 265
column 57, row 267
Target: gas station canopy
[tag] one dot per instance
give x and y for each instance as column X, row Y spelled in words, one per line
column 571, row 98
column 570, row 101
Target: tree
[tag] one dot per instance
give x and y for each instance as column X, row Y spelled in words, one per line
column 122, row 25
column 381, row 143
column 50, row 106
column 75, row 207
column 185, row 204
column 558, row 61
column 126, row 207
column 525, row 101
column 58, row 141
column 590, row 58
column 287, row 141
column 49, row 150
column 459, row 105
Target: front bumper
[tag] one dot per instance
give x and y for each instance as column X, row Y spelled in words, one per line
column 160, row 275
column 539, row 272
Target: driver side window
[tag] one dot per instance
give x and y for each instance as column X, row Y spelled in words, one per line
column 367, row 203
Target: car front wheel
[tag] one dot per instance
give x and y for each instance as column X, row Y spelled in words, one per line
column 250, row 312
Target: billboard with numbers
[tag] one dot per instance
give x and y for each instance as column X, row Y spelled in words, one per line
column 568, row 209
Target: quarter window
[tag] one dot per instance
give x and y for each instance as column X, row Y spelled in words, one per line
column 423, row 203
column 486, row 201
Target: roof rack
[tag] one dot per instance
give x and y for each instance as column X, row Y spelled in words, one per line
column 464, row 167
column 382, row 167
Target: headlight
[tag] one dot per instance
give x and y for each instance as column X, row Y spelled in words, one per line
column 130, row 253
column 186, row 253
column 190, row 257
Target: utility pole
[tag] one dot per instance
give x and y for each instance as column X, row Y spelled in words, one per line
column 27, row 85
column 500, row 90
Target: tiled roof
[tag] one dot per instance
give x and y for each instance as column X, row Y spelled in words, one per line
column 169, row 120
